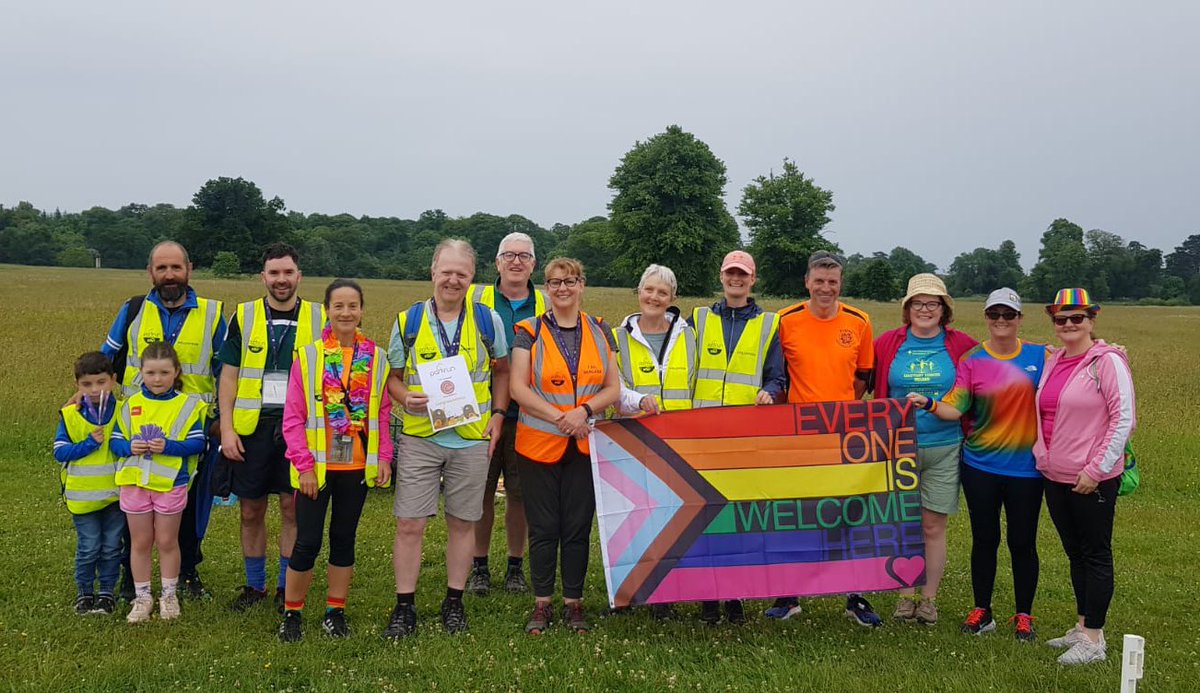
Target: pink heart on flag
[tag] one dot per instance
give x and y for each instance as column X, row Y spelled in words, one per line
column 906, row 571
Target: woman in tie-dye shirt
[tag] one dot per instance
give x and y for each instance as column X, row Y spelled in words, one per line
column 994, row 389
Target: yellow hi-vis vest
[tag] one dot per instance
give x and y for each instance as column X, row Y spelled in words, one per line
column 428, row 347
column 672, row 384
column 312, row 373
column 175, row 416
column 730, row 379
column 252, row 320
column 193, row 345
column 486, row 294
column 89, row 483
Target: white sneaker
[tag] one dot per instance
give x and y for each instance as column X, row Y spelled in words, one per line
column 142, row 608
column 1085, row 652
column 168, row 607
column 1069, row 638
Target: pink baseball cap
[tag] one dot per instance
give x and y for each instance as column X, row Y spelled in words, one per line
column 739, row 259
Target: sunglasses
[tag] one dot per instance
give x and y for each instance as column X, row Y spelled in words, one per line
column 1008, row 315
column 1061, row 320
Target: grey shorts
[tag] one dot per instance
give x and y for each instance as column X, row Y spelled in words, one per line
column 938, row 469
column 423, row 467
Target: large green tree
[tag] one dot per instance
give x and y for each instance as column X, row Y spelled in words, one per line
column 232, row 214
column 595, row 243
column 1062, row 262
column 785, row 214
column 872, row 278
column 1184, row 262
column 668, row 209
column 983, row 270
column 905, row 263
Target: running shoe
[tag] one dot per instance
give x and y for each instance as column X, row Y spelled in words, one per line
column 402, row 623
column 84, row 604
column 978, row 622
column 334, row 623
column 193, row 587
column 735, row 613
column 480, row 581
column 927, row 613
column 1085, row 652
column 539, row 621
column 247, row 598
column 1024, row 629
column 142, row 608
column 168, row 607
column 454, row 616
column 859, row 609
column 710, row 613
column 291, row 629
column 906, row 608
column 104, row 604
column 784, row 608
column 1072, row 636
column 514, row 581
column 574, row 618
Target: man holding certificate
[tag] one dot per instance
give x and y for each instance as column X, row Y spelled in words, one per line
column 450, row 375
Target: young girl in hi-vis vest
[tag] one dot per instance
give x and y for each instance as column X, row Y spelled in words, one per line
column 159, row 430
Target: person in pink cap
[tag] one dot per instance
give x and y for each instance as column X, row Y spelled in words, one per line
column 1086, row 414
column 739, row 363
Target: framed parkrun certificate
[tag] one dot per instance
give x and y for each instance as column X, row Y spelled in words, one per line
column 447, row 383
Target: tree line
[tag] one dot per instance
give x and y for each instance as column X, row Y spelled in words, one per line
column 667, row 207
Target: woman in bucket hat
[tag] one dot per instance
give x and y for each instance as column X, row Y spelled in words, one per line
column 920, row 357
column 1086, row 413
column 994, row 388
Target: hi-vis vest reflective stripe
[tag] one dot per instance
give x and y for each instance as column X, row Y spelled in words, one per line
column 550, row 379
column 89, row 483
column 252, row 319
column 735, row 378
column 193, row 345
column 674, row 390
column 175, row 417
column 312, row 370
column 486, row 294
column 428, row 347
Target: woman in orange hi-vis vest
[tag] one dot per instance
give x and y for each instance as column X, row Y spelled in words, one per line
column 563, row 371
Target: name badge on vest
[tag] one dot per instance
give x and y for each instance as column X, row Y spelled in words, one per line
column 343, row 450
column 275, row 385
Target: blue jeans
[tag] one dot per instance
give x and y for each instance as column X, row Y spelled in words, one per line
column 99, row 548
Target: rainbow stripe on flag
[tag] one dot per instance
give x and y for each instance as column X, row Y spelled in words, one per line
column 759, row 502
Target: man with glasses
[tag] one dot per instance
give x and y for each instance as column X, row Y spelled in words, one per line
column 514, row 298
column 829, row 351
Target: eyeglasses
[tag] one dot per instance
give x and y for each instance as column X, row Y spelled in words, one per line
column 1008, row 315
column 509, row 256
column 1076, row 319
column 929, row 306
column 569, row 282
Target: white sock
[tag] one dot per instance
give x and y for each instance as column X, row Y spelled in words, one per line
column 168, row 586
column 141, row 589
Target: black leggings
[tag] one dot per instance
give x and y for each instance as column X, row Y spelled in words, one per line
column 1021, row 499
column 559, row 505
column 1085, row 525
column 348, row 491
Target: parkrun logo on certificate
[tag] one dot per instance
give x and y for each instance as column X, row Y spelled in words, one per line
column 447, row 382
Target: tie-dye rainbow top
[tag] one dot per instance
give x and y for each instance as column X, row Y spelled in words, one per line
column 997, row 394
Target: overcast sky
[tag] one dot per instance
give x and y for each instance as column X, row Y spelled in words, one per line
column 940, row 126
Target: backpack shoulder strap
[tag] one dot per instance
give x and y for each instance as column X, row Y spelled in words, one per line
column 121, row 358
column 483, row 323
column 412, row 324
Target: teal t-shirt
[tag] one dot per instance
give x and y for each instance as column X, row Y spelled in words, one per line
column 924, row 366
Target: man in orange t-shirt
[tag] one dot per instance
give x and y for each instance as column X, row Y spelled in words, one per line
column 827, row 344
column 829, row 351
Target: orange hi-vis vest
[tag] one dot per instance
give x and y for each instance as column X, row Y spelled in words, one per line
column 550, row 379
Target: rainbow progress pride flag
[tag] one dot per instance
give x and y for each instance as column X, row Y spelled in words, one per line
column 759, row 502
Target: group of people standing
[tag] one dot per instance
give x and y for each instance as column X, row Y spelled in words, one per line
column 304, row 410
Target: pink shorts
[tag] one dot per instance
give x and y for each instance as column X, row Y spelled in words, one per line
column 136, row 500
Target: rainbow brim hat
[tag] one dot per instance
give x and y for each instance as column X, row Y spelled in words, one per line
column 1072, row 298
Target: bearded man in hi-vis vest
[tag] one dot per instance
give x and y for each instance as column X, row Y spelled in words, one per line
column 195, row 326
column 256, row 359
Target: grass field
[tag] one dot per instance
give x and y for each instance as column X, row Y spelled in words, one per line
column 55, row 314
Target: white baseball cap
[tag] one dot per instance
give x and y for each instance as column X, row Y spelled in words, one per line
column 1003, row 297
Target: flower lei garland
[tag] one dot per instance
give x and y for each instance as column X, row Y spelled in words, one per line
column 346, row 417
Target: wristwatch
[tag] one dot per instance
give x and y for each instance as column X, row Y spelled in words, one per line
column 588, row 408
column 499, row 412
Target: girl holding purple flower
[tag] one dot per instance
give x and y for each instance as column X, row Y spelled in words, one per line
column 158, row 433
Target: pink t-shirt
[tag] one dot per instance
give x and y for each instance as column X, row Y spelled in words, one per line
column 1048, row 399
